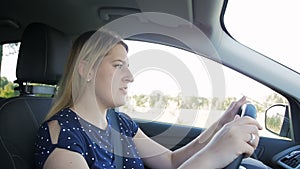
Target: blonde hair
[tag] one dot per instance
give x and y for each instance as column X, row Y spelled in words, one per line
column 90, row 47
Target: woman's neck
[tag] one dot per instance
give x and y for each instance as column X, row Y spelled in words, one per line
column 91, row 113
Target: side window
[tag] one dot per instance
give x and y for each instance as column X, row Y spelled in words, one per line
column 8, row 61
column 179, row 87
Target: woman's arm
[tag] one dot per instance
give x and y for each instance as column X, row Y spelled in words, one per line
column 62, row 159
column 181, row 155
column 226, row 145
column 156, row 156
column 200, row 149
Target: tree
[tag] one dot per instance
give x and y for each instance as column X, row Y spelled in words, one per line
column 217, row 103
column 227, row 102
column 11, row 49
column 7, row 88
column 274, row 98
column 140, row 100
column 157, row 99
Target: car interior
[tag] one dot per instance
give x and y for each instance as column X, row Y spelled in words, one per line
column 46, row 30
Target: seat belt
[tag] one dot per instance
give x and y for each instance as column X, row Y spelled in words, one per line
column 116, row 138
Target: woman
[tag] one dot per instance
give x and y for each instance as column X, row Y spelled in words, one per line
column 78, row 133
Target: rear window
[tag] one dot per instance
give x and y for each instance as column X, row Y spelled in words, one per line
column 8, row 59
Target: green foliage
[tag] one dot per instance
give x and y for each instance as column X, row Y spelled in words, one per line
column 273, row 99
column 11, row 49
column 140, row 100
column 158, row 100
column 227, row 102
column 274, row 123
column 7, row 88
column 194, row 102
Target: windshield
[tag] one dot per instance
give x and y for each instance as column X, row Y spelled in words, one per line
column 269, row 27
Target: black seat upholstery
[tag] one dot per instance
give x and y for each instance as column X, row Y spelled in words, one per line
column 41, row 59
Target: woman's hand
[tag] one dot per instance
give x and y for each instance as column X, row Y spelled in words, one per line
column 231, row 111
column 233, row 139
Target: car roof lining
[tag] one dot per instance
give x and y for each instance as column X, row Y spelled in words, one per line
column 53, row 14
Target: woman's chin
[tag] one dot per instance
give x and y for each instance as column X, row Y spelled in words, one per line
column 119, row 103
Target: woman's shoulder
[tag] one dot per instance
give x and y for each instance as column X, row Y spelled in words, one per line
column 127, row 123
column 65, row 113
column 63, row 131
column 123, row 117
column 65, row 119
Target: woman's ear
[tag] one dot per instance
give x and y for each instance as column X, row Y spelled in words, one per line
column 84, row 72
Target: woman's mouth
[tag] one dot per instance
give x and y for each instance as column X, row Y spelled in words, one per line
column 124, row 90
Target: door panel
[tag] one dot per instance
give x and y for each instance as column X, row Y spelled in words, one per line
column 169, row 135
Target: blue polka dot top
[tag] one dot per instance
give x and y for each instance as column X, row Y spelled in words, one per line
column 93, row 143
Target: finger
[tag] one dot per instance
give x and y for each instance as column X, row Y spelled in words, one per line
column 250, row 129
column 241, row 101
column 249, row 134
column 253, row 140
column 248, row 150
column 245, row 148
column 237, row 116
column 235, row 106
column 246, row 131
column 248, row 120
column 231, row 106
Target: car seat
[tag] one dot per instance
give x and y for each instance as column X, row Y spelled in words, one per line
column 42, row 56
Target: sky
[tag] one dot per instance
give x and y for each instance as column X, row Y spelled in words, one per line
column 270, row 27
column 8, row 65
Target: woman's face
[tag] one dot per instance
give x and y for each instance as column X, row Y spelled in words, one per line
column 112, row 78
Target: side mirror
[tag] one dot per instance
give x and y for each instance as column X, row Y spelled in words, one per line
column 277, row 120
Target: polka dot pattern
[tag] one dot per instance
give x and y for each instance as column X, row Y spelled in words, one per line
column 93, row 143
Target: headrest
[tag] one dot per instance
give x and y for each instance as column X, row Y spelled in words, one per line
column 43, row 54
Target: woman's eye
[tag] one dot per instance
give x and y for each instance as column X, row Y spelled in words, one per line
column 119, row 66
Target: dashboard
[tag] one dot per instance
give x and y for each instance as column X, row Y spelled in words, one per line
column 289, row 158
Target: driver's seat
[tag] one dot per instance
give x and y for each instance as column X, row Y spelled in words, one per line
column 41, row 60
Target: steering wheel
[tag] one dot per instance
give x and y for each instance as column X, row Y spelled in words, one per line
column 235, row 163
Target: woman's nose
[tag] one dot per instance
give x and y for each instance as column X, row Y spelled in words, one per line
column 129, row 77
